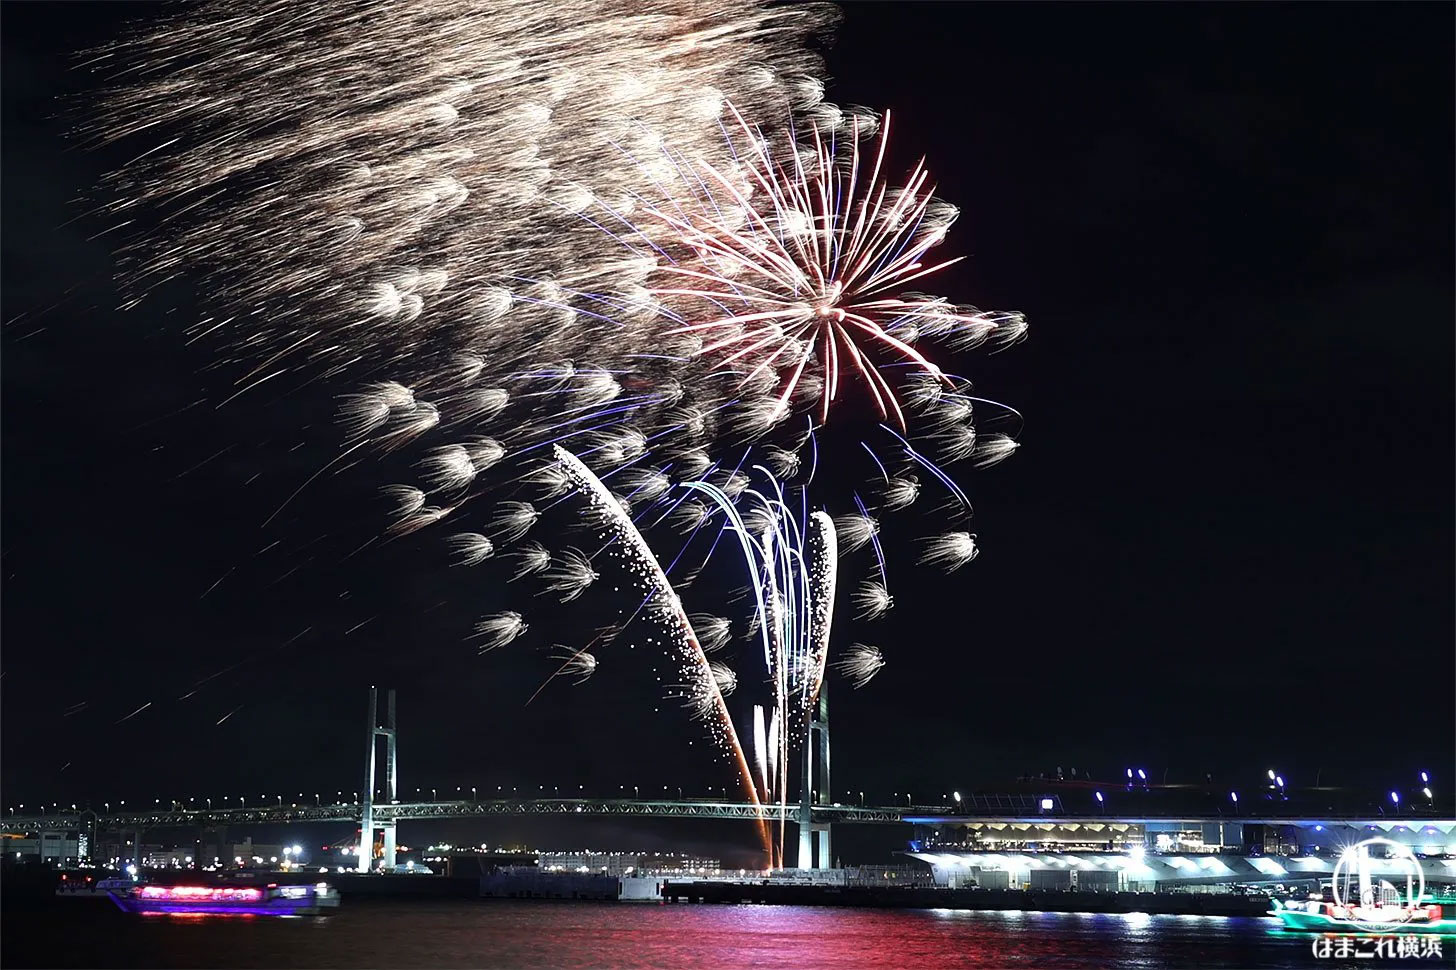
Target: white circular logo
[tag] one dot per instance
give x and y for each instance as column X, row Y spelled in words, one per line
column 1377, row 901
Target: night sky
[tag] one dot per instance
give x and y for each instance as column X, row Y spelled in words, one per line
column 1226, row 543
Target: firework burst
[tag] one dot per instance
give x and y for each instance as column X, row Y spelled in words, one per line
column 860, row 663
column 614, row 248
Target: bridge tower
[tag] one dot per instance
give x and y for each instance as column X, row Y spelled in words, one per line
column 815, row 783
column 391, row 769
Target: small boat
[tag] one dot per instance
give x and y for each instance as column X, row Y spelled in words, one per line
column 271, row 900
column 1432, row 915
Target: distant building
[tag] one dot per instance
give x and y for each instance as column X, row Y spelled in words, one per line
column 629, row 863
column 52, row 846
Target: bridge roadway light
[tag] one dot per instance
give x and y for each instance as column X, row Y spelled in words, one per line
column 1427, row 793
column 957, row 797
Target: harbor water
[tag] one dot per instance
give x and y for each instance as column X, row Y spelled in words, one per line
column 547, row 934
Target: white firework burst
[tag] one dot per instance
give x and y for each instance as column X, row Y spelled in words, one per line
column 714, row 632
column 855, row 530
column 860, row 663
column 449, row 467
column 499, row 629
column 406, row 498
column 901, row 492
column 530, row 558
column 993, row 449
column 724, row 677
column 470, row 548
column 873, row 600
column 513, row 520
column 950, row 551
column 570, row 575
column 576, row 664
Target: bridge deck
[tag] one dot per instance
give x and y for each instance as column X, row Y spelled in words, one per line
column 684, row 808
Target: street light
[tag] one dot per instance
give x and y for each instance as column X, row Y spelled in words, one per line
column 957, row 798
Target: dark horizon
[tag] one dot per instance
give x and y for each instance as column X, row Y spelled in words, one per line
column 1224, row 546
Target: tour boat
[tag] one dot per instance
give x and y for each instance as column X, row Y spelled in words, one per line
column 308, row 899
column 1324, row 916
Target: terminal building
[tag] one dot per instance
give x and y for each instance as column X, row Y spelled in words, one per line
column 1149, row 846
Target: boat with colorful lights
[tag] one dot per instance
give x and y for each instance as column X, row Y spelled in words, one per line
column 1433, row 914
column 272, row 899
